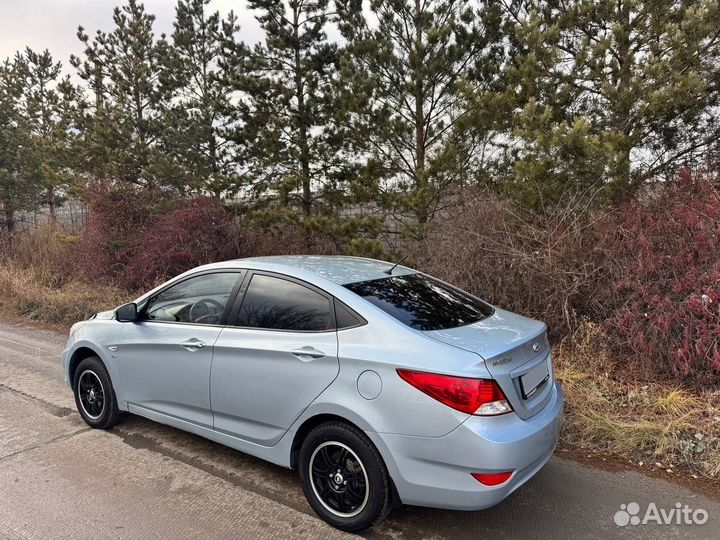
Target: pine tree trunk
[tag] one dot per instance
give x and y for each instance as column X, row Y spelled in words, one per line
column 212, row 145
column 302, row 125
column 622, row 113
column 213, row 154
column 98, row 93
column 305, row 164
column 420, row 179
column 52, row 207
column 140, row 127
column 9, row 222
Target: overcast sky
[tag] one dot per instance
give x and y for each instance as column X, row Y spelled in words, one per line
column 52, row 24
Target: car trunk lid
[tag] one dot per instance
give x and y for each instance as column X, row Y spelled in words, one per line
column 516, row 354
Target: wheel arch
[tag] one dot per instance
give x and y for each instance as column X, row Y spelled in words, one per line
column 306, row 427
column 80, row 354
column 321, row 418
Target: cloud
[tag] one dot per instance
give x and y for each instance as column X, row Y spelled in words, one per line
column 52, row 24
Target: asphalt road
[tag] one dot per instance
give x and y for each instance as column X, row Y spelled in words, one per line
column 58, row 478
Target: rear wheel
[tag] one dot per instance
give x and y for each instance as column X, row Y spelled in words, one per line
column 344, row 478
column 94, row 394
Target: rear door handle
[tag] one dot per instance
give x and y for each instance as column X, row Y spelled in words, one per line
column 307, row 353
column 192, row 344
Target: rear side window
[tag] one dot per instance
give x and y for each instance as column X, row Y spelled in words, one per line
column 345, row 317
column 422, row 302
column 278, row 304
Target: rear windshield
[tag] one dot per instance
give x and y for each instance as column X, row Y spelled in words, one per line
column 422, row 302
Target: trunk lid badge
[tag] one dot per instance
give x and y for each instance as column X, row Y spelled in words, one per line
column 501, row 361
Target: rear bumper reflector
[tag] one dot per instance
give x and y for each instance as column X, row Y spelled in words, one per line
column 493, row 479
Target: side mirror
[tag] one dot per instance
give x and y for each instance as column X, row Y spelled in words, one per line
column 126, row 313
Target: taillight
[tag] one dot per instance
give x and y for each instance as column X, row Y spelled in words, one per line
column 482, row 397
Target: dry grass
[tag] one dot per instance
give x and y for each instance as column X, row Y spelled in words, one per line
column 48, row 253
column 651, row 423
column 676, row 401
column 25, row 293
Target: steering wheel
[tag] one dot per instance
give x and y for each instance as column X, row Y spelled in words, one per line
column 201, row 310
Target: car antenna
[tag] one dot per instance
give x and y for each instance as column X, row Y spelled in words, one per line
column 389, row 271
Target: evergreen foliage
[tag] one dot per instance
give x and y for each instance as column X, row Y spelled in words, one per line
column 351, row 115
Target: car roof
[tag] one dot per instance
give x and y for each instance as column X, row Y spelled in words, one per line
column 338, row 269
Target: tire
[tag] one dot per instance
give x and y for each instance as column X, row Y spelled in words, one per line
column 94, row 394
column 357, row 493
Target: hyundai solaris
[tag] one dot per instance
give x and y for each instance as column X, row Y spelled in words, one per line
column 379, row 384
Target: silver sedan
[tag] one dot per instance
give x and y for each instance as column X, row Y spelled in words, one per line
column 381, row 385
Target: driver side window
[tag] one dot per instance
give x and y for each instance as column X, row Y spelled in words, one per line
column 200, row 299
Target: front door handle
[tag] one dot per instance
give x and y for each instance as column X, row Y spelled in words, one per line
column 192, row 344
column 306, row 353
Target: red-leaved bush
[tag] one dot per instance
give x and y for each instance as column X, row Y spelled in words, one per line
column 664, row 303
column 135, row 237
column 199, row 232
column 118, row 217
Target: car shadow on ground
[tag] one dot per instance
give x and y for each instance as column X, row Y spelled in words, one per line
column 564, row 499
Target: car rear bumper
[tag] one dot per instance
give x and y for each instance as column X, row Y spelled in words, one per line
column 436, row 471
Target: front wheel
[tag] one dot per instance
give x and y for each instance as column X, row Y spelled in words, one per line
column 94, row 394
column 344, row 478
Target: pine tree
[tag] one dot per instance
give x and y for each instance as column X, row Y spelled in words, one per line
column 405, row 79
column 123, row 68
column 49, row 105
column 19, row 189
column 198, row 120
column 617, row 92
column 94, row 120
column 293, row 147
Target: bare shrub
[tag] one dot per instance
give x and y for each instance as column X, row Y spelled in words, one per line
column 277, row 231
column 287, row 239
column 549, row 268
column 48, row 253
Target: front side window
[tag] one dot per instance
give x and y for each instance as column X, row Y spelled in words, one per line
column 278, row 304
column 200, row 300
column 422, row 302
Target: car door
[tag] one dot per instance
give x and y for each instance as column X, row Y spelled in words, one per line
column 165, row 357
column 273, row 359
